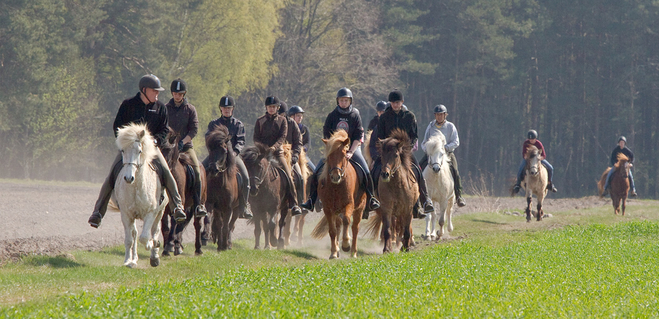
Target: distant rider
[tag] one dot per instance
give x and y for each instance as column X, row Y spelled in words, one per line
column 621, row 148
column 533, row 140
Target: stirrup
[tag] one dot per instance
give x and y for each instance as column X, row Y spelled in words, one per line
column 201, row 211
column 179, row 215
column 427, row 208
column 516, row 189
column 308, row 205
column 295, row 210
column 373, row 204
column 633, row 193
column 245, row 214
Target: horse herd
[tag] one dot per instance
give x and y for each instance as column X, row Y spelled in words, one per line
column 139, row 195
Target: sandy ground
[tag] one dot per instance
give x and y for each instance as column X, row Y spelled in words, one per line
column 51, row 219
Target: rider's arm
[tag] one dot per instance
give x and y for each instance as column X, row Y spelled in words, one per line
column 257, row 132
column 193, row 125
column 414, row 136
column 283, row 131
column 239, row 138
column 453, row 141
column 161, row 128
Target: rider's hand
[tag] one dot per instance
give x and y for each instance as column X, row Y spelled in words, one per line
column 349, row 154
column 294, row 159
column 180, row 146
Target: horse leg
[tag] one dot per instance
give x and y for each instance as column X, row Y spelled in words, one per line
column 300, row 226
column 528, row 206
column 169, row 240
column 154, row 260
column 386, row 232
column 257, row 232
column 334, row 250
column 539, row 207
column 624, row 202
column 430, row 223
column 165, row 232
column 355, row 231
column 407, row 233
column 287, row 230
column 442, row 218
column 130, row 232
column 197, row 236
column 345, row 223
column 224, row 239
column 616, row 204
column 284, row 229
column 449, row 221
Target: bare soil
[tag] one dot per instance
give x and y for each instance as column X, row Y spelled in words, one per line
column 48, row 219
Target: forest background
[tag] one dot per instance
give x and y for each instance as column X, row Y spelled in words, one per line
column 581, row 73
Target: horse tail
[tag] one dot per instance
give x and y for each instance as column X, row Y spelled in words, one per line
column 321, row 229
column 602, row 181
column 367, row 150
column 373, row 226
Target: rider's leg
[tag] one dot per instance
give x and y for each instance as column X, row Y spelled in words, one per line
column 175, row 203
column 200, row 209
column 607, row 183
column 245, row 191
column 292, row 194
column 101, row 205
column 313, row 187
column 423, row 162
column 367, row 182
column 631, row 183
column 550, row 173
column 423, row 191
column 377, row 169
column 457, row 185
column 299, row 182
column 520, row 176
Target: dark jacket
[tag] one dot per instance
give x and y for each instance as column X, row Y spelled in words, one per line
column 373, row 123
column 405, row 120
column 304, row 130
column 236, row 130
column 351, row 123
column 618, row 150
column 271, row 130
column 154, row 115
column 294, row 137
column 183, row 120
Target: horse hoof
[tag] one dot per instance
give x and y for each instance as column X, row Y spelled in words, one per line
column 198, row 252
column 169, row 248
column 333, row 257
column 155, row 262
column 178, row 250
column 345, row 248
column 204, row 242
column 130, row 265
column 165, row 253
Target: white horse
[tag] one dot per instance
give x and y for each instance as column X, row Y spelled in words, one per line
column 440, row 186
column 138, row 192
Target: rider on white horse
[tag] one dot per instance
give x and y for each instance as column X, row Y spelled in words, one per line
column 440, row 124
column 142, row 108
column 533, row 140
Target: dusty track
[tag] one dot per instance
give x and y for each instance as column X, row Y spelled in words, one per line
column 51, row 219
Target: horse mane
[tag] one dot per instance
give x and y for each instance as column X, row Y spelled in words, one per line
column 531, row 152
column 219, row 137
column 333, row 144
column 435, row 142
column 400, row 138
column 251, row 155
column 131, row 133
column 622, row 158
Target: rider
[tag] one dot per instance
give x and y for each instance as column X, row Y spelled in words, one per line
column 294, row 138
column 379, row 109
column 143, row 108
column 533, row 140
column 297, row 114
column 346, row 117
column 237, row 132
column 440, row 124
column 621, row 148
column 182, row 117
column 271, row 130
column 398, row 117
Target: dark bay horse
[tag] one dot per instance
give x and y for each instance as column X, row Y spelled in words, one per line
column 398, row 191
column 619, row 183
column 181, row 167
column 343, row 199
column 267, row 195
column 223, row 199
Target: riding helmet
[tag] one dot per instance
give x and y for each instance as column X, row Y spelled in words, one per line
column 622, row 138
column 179, row 86
column 381, row 106
column 150, row 81
column 270, row 100
column 532, row 134
column 395, row 95
column 227, row 101
column 440, row 109
column 295, row 109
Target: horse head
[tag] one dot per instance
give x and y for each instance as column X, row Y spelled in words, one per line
column 137, row 148
column 396, row 151
column 533, row 160
column 435, row 150
column 257, row 164
column 335, row 156
column 220, row 152
column 623, row 165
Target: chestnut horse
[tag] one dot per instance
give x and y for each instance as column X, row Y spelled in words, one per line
column 343, row 199
column 398, row 191
column 535, row 181
column 267, row 195
column 300, row 183
column 223, row 201
column 619, row 183
column 181, row 167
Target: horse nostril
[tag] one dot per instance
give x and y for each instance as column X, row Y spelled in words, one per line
column 436, row 168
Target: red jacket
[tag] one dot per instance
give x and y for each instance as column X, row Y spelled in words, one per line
column 537, row 144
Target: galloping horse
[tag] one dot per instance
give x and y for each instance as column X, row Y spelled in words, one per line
column 619, row 183
column 223, row 192
column 300, row 183
column 181, row 167
column 535, row 181
column 440, row 186
column 138, row 192
column 267, row 195
column 343, row 199
column 398, row 191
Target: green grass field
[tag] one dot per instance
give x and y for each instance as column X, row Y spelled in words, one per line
column 582, row 263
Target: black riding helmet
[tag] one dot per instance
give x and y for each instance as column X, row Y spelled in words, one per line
column 227, row 101
column 343, row 92
column 150, row 81
column 283, row 107
column 381, row 106
column 178, row 86
column 295, row 109
column 440, row 109
column 532, row 134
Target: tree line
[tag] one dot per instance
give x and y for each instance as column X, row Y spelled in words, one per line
column 580, row 73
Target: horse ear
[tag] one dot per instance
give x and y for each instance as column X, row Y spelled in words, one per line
column 325, row 141
column 346, row 142
column 141, row 134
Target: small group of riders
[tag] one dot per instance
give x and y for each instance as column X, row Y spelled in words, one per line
column 281, row 125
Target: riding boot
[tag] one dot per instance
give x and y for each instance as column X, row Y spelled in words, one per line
column 313, row 193
column 200, row 210
column 457, row 187
column 367, row 184
column 423, row 192
column 520, row 177
column 377, row 169
column 105, row 194
column 416, row 211
column 244, row 197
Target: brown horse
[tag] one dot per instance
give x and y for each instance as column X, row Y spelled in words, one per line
column 181, row 167
column 223, row 201
column 535, row 181
column 619, row 183
column 267, row 195
column 300, row 183
column 398, row 191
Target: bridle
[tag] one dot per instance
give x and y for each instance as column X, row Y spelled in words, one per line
column 258, row 180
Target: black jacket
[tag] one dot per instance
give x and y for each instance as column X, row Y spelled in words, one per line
column 373, row 123
column 404, row 120
column 351, row 123
column 618, row 150
column 236, row 130
column 183, row 120
column 154, row 115
column 304, row 130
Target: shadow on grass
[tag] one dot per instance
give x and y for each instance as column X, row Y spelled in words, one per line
column 299, row 254
column 55, row 262
column 488, row 222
